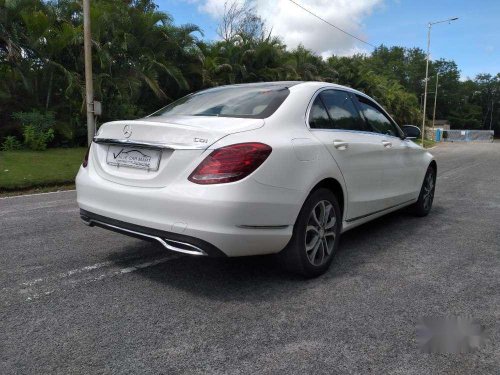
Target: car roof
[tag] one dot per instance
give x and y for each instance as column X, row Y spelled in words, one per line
column 287, row 84
column 319, row 85
column 276, row 85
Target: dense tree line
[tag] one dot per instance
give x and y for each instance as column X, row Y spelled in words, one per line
column 142, row 61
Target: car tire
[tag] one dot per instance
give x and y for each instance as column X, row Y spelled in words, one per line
column 424, row 203
column 316, row 235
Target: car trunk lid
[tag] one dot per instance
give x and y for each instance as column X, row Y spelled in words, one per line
column 177, row 142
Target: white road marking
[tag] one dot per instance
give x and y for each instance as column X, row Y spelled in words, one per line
column 144, row 265
column 35, row 194
column 40, row 287
column 64, row 275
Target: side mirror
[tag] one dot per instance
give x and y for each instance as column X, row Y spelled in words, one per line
column 411, row 131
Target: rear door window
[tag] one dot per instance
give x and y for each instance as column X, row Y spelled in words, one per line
column 342, row 111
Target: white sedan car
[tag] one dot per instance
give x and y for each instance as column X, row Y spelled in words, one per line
column 281, row 167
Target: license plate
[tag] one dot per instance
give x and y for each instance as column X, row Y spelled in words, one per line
column 134, row 157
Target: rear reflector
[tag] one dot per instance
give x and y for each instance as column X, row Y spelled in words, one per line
column 230, row 163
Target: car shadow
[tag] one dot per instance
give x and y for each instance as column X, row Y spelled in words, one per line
column 261, row 278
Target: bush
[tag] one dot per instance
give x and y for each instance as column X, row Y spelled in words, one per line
column 11, row 144
column 35, row 139
column 37, row 128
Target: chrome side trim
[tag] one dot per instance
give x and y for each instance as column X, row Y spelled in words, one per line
column 379, row 211
column 168, row 244
column 157, row 145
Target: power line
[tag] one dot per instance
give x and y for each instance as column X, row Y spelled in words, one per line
column 331, row 24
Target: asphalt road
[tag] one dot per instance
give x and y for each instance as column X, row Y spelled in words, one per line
column 84, row 300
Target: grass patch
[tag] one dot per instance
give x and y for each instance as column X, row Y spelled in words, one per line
column 36, row 190
column 428, row 143
column 22, row 170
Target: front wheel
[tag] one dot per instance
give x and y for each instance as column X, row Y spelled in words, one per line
column 315, row 236
column 424, row 204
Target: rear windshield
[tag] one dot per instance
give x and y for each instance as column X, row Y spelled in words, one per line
column 230, row 101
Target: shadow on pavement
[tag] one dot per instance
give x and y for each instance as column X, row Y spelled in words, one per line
column 261, row 278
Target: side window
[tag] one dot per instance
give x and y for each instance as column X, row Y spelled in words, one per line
column 342, row 111
column 376, row 119
column 318, row 117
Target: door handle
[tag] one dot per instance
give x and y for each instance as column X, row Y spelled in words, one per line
column 387, row 144
column 341, row 145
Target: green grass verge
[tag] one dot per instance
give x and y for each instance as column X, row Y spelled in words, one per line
column 427, row 142
column 21, row 170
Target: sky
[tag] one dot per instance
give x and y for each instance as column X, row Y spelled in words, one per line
column 473, row 41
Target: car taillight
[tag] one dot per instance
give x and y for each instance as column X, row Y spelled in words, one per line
column 230, row 163
column 86, row 158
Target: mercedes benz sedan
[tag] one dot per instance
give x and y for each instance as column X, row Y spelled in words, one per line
column 268, row 168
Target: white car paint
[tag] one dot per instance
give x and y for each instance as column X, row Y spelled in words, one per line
column 256, row 214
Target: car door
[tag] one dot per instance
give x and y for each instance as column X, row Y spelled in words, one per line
column 400, row 167
column 336, row 122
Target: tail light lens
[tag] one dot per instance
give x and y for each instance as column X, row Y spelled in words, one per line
column 86, row 158
column 230, row 163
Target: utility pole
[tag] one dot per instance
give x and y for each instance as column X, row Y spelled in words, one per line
column 435, row 100
column 427, row 69
column 89, row 87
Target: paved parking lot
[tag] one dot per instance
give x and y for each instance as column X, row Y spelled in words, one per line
column 84, row 300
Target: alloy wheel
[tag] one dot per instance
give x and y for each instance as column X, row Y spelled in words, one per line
column 428, row 195
column 320, row 233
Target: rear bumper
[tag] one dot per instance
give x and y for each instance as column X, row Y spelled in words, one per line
column 241, row 219
column 171, row 241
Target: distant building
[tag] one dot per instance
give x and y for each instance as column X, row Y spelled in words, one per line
column 441, row 124
column 430, row 132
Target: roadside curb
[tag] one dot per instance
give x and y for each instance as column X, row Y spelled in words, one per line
column 35, row 194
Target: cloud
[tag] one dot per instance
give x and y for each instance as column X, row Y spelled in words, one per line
column 295, row 26
column 214, row 8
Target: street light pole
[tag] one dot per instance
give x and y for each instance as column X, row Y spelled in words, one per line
column 427, row 70
column 435, row 100
column 422, row 101
column 426, row 77
column 89, row 87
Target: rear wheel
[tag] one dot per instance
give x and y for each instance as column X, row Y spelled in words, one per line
column 315, row 236
column 424, row 204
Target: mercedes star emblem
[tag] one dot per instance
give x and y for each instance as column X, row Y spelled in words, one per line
column 127, row 131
